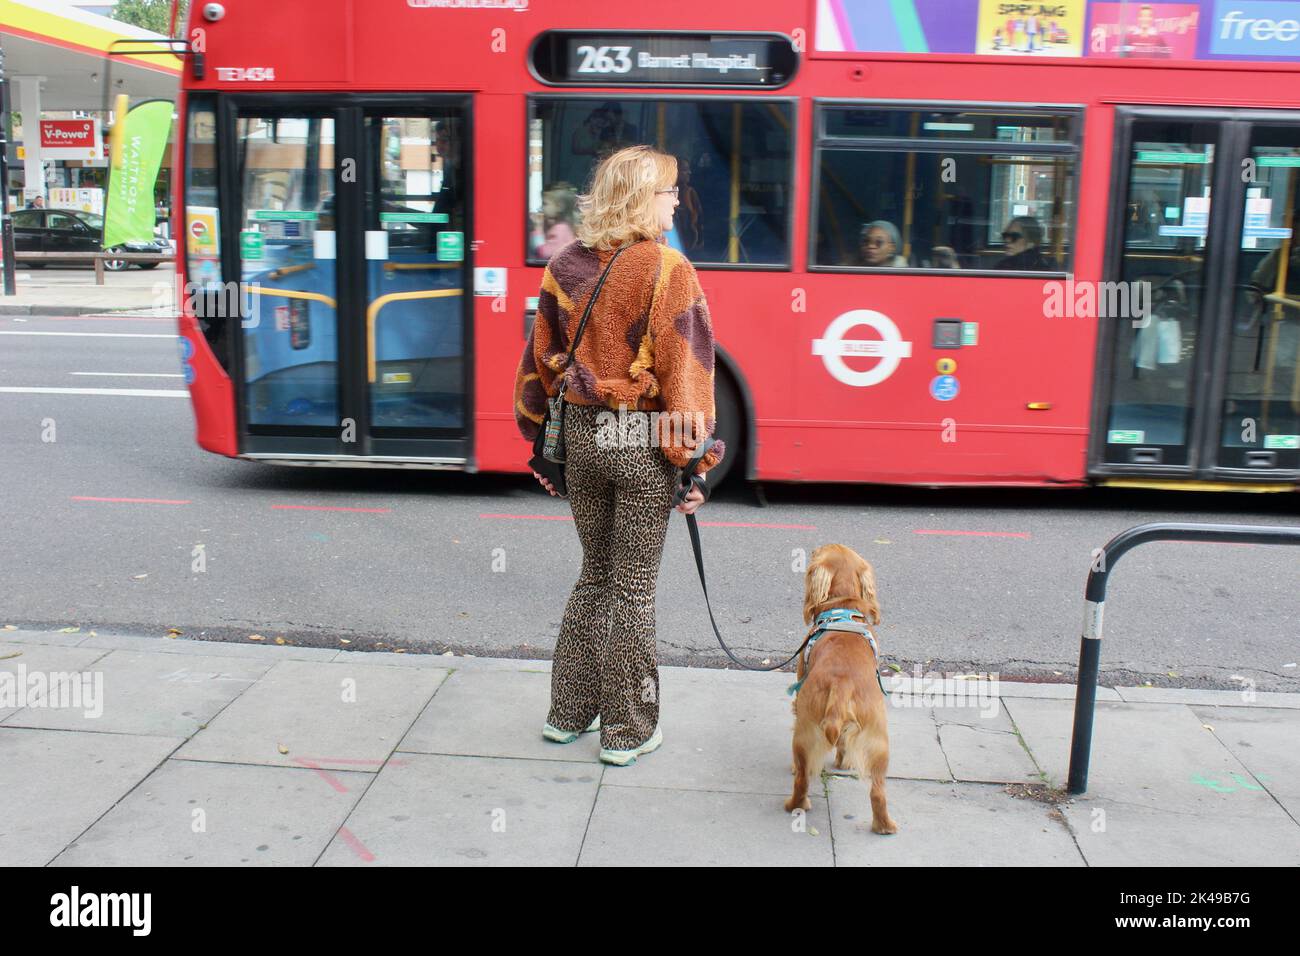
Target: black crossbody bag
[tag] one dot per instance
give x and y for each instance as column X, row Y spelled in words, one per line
column 548, row 447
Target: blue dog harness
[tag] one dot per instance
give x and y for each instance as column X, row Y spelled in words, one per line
column 838, row 619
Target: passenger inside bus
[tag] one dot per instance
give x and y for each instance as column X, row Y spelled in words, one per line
column 878, row 244
column 604, row 131
column 1022, row 236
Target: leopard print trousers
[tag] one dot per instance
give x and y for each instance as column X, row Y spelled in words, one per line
column 605, row 658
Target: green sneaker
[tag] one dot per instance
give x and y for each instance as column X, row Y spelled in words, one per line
column 567, row 736
column 622, row 758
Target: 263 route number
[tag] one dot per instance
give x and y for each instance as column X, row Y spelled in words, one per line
column 597, row 59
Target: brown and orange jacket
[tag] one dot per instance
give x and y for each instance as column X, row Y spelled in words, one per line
column 648, row 345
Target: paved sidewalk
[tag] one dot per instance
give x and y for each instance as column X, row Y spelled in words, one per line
column 212, row 754
column 74, row 293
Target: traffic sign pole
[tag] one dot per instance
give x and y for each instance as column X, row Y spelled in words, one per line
column 6, row 223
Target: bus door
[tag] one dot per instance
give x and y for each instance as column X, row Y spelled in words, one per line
column 1198, row 376
column 352, row 219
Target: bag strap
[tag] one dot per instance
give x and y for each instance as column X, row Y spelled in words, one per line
column 582, row 324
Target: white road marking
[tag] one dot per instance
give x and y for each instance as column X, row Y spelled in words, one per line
column 101, row 335
column 128, row 392
column 133, row 374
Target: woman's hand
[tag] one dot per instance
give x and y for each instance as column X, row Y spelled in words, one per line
column 546, row 484
column 694, row 498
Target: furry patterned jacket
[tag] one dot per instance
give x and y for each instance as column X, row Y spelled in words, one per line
column 648, row 345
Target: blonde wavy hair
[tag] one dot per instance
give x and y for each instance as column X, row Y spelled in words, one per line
column 620, row 206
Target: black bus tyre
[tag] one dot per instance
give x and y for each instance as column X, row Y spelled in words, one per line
column 729, row 429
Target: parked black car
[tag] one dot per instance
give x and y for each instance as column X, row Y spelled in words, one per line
column 70, row 230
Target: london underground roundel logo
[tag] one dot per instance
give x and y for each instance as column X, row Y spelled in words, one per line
column 890, row 348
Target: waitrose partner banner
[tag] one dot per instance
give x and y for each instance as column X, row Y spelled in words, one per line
column 130, row 215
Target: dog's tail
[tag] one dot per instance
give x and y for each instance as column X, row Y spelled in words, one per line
column 836, row 717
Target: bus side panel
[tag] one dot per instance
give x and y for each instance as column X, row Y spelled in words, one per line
column 211, row 392
column 908, row 420
column 500, row 172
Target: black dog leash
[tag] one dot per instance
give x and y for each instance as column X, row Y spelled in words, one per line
column 691, row 479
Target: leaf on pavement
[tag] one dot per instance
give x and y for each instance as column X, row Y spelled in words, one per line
column 5, row 657
column 69, row 630
column 11, row 627
column 279, row 640
column 283, row 749
column 256, row 637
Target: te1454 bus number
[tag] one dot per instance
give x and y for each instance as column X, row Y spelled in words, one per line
column 597, row 59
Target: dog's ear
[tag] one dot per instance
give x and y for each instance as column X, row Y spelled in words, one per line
column 867, row 580
column 817, row 588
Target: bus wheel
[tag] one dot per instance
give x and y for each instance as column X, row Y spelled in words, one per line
column 730, row 427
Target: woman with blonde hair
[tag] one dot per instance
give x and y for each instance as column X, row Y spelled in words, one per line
column 647, row 347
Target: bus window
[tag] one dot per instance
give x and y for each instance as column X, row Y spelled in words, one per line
column 733, row 161
column 1261, row 403
column 890, row 195
column 287, row 262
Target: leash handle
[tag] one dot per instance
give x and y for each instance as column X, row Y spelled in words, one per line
column 688, row 476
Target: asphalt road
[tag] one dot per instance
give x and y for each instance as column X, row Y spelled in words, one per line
column 985, row 581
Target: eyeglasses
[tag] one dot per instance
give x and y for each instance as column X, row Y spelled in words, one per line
column 1012, row 236
column 673, row 191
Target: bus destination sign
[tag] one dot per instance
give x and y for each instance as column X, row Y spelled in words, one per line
column 568, row 58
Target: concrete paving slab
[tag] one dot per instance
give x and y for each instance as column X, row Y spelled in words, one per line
column 337, row 716
column 718, row 735
column 1264, row 740
column 56, row 783
column 27, row 660
column 899, row 684
column 1226, row 698
column 1155, row 755
column 914, row 749
column 147, row 693
column 166, row 645
column 394, row 660
column 983, row 750
column 1140, row 836
column 493, row 714
column 188, row 813
column 442, row 810
column 961, row 824
column 21, row 636
column 642, row 826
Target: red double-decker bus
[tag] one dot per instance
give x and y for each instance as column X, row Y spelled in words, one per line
column 943, row 241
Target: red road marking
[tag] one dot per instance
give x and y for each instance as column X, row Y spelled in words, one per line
column 138, row 501
column 375, row 511
column 325, row 775
column 978, row 534
column 755, row 524
column 357, row 846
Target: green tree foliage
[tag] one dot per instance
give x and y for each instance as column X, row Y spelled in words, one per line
column 153, row 15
